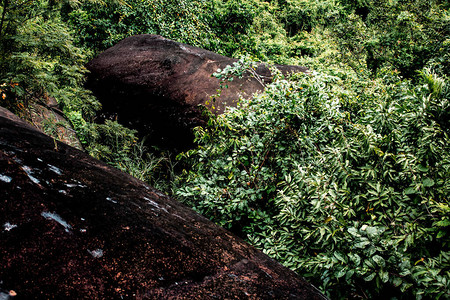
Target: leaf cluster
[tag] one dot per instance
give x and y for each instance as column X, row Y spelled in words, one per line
column 356, row 200
column 40, row 60
column 99, row 26
column 404, row 35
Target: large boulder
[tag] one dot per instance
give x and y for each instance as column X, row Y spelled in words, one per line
column 72, row 227
column 155, row 85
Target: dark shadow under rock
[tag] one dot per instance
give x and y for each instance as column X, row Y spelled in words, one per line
column 73, row 227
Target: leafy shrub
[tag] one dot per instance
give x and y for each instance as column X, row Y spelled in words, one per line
column 355, row 200
column 304, row 15
column 99, row 26
column 39, row 59
column 405, row 35
column 342, row 178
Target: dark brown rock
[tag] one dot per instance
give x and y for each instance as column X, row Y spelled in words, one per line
column 155, row 85
column 72, row 227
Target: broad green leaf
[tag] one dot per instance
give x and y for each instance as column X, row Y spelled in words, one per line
column 341, row 273
column 384, row 276
column 397, row 281
column 428, row 182
column 349, row 274
column 410, row 191
column 405, row 273
column 353, row 231
column 370, row 277
column 362, row 244
column 379, row 260
column 422, row 168
column 341, row 257
column 368, row 262
column 441, row 234
column 405, row 286
column 373, row 232
column 442, row 223
column 355, row 258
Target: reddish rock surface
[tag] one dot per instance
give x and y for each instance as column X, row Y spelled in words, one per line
column 73, row 227
column 155, row 85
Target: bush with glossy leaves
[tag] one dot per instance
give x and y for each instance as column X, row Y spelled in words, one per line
column 355, row 200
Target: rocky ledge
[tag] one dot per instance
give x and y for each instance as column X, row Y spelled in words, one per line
column 72, row 227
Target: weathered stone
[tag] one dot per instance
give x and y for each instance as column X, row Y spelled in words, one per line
column 72, row 227
column 47, row 116
column 155, row 85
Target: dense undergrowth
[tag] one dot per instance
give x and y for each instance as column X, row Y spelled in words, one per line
column 341, row 175
column 353, row 197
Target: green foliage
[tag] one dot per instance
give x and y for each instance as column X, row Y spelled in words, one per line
column 39, row 60
column 343, row 175
column 109, row 141
column 355, row 200
column 231, row 28
column 405, row 35
column 267, row 31
column 304, row 15
column 232, row 21
column 99, row 26
column 155, row 168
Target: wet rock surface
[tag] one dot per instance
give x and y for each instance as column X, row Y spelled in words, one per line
column 72, row 227
column 155, row 85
